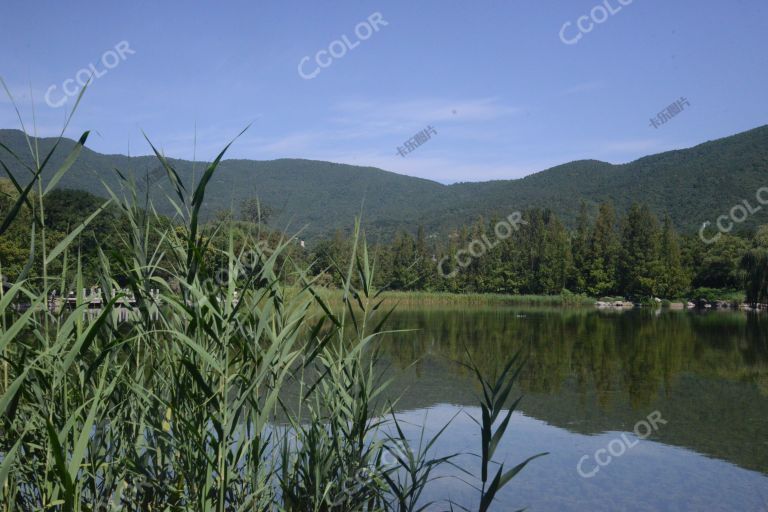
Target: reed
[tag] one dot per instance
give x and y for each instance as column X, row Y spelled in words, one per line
column 184, row 406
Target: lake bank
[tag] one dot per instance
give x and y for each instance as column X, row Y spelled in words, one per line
column 728, row 300
column 444, row 298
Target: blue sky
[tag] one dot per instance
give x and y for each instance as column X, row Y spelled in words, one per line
column 506, row 96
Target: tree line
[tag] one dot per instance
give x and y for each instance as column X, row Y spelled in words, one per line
column 631, row 254
column 634, row 255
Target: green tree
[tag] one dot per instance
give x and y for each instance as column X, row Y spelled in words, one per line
column 424, row 264
column 639, row 265
column 603, row 253
column 331, row 256
column 717, row 265
column 580, row 250
column 761, row 237
column 405, row 272
column 673, row 281
column 253, row 210
column 555, row 257
column 755, row 266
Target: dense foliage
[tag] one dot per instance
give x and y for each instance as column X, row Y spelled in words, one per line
column 632, row 255
column 693, row 186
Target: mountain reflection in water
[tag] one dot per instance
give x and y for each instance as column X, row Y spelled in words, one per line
column 592, row 375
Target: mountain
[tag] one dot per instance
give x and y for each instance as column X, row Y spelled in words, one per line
column 691, row 185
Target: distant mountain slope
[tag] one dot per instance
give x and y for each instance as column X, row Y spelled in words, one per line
column 692, row 185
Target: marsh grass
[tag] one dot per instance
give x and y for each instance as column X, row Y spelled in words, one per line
column 421, row 298
column 181, row 407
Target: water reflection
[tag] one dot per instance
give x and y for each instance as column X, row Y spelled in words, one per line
column 594, row 373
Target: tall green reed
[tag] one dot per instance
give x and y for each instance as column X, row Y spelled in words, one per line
column 183, row 407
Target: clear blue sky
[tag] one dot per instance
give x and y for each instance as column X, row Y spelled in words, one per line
column 506, row 96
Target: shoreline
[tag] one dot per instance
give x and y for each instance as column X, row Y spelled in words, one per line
column 564, row 300
column 421, row 297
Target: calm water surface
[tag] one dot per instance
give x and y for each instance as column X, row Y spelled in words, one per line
column 590, row 378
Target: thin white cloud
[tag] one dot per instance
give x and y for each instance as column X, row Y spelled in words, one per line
column 294, row 143
column 25, row 98
column 363, row 129
column 386, row 116
column 19, row 94
column 431, row 167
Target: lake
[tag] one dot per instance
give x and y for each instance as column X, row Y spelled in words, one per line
column 591, row 377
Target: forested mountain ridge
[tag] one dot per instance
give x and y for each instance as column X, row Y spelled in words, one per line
column 691, row 185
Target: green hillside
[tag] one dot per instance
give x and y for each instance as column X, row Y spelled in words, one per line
column 692, row 185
